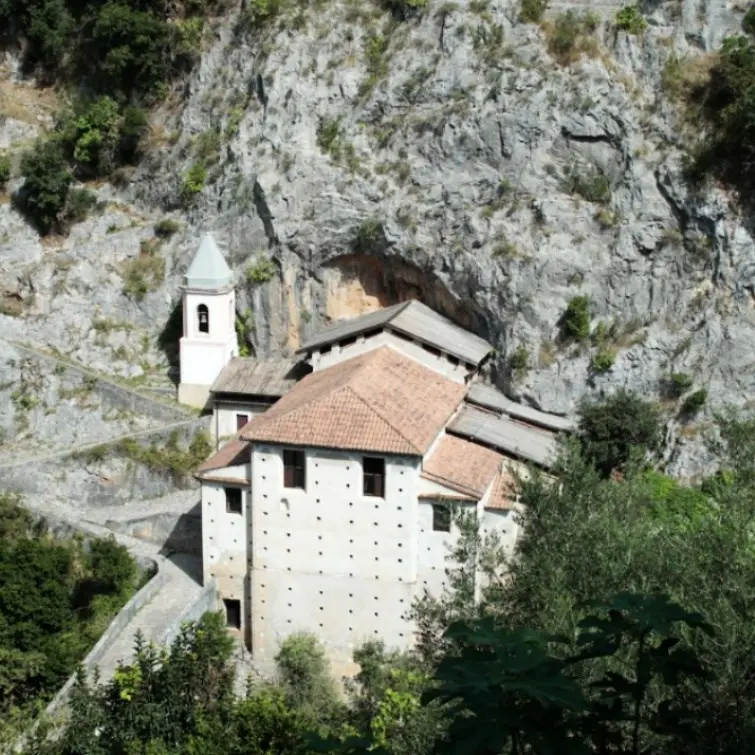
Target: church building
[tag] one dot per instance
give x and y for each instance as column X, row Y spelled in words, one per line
column 328, row 506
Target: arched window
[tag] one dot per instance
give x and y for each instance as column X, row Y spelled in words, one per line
column 204, row 318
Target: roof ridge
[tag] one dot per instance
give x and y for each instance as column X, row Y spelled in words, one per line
column 400, row 309
column 387, row 349
column 371, row 408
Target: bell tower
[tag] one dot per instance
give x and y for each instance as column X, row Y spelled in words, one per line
column 209, row 323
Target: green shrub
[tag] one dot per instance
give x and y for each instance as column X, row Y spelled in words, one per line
column 166, row 227
column 531, row 11
column 603, row 360
column 589, row 182
column 5, row 169
column 694, row 402
column 519, row 361
column 725, row 98
column 369, row 235
column 677, row 384
column 631, row 20
column 375, row 49
column 193, row 183
column 131, row 49
column 145, row 272
column 47, row 180
column 404, row 9
column 208, row 147
column 329, row 136
column 260, row 12
column 575, row 322
column 133, row 127
column 622, row 429
column 262, row 271
column 92, row 134
column 562, row 44
column 80, row 203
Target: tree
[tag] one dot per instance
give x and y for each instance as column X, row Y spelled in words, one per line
column 621, row 429
column 643, row 539
column 518, row 691
column 305, row 675
column 47, row 181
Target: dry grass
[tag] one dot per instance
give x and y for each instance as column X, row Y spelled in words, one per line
column 546, row 353
column 26, row 103
column 683, row 77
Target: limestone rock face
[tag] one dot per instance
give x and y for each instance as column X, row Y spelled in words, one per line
column 448, row 157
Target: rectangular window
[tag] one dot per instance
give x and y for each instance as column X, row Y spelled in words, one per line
column 233, row 500
column 241, row 420
column 441, row 518
column 293, row 469
column 232, row 613
column 373, row 476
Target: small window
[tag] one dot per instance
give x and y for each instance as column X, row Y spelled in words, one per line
column 373, row 476
column 347, row 341
column 326, row 349
column 293, row 469
column 441, row 518
column 431, row 350
column 203, row 316
column 233, row 500
column 232, row 613
column 241, row 420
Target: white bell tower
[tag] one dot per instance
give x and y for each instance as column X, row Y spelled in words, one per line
column 209, row 323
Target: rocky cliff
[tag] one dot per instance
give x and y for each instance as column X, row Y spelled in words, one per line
column 461, row 157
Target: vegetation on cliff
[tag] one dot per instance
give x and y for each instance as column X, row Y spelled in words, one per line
column 116, row 57
column 57, row 596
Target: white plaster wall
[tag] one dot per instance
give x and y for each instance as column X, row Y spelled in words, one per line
column 434, row 548
column 503, row 522
column 225, row 541
column 362, row 345
column 203, row 355
column 224, row 420
column 201, row 363
column 329, row 559
column 222, row 311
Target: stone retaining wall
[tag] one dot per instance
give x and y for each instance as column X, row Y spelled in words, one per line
column 117, row 625
column 100, row 474
column 118, row 395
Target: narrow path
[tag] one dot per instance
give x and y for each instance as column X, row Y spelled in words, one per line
column 180, row 590
column 84, row 447
column 182, row 583
column 57, row 359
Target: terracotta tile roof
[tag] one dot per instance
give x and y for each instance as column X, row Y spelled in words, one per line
column 503, row 494
column 462, row 465
column 234, row 452
column 381, row 401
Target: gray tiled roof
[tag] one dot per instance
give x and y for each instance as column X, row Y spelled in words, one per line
column 254, row 377
column 413, row 319
column 505, row 434
column 492, row 398
column 208, row 269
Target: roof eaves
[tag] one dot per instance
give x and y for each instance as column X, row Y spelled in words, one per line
column 452, row 484
column 322, row 338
